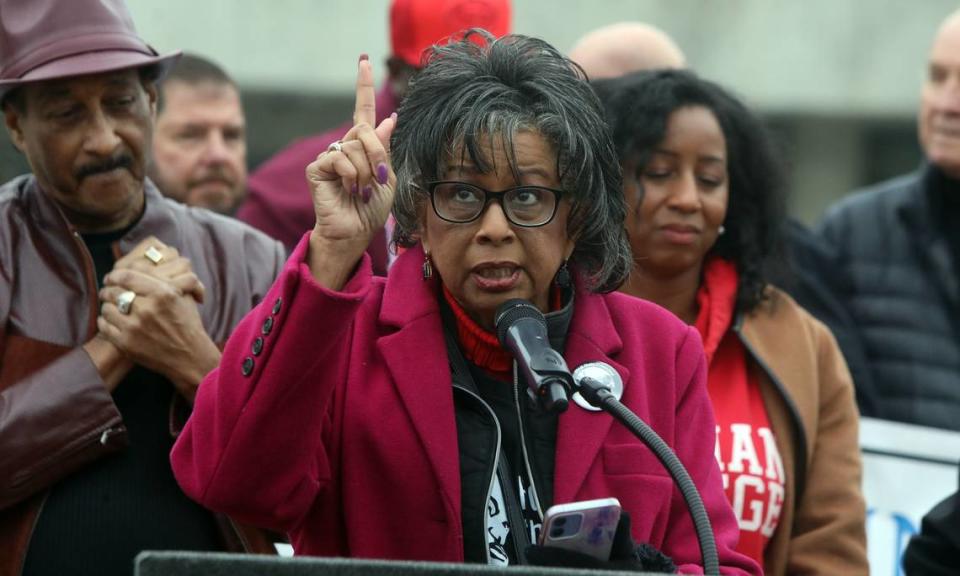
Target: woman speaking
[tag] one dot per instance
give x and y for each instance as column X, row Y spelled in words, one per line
column 381, row 418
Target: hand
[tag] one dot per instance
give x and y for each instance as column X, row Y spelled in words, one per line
column 625, row 555
column 352, row 188
column 109, row 361
column 163, row 330
column 172, row 266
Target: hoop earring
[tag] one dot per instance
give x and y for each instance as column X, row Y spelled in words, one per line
column 427, row 267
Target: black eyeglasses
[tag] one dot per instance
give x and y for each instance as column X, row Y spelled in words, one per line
column 526, row 206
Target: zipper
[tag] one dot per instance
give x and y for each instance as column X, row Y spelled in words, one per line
column 534, row 497
column 496, row 466
column 515, row 519
column 89, row 276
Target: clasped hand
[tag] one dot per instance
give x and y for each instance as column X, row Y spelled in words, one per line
column 162, row 330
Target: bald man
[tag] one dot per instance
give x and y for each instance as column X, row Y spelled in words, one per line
column 899, row 244
column 625, row 47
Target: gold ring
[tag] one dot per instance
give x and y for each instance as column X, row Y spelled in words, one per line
column 125, row 301
column 153, row 255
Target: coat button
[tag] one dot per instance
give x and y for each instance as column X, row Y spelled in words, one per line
column 247, row 367
column 257, row 346
column 267, row 325
column 277, row 305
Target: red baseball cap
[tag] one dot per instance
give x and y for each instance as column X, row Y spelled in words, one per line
column 416, row 25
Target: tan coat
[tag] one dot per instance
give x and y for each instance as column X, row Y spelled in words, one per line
column 809, row 396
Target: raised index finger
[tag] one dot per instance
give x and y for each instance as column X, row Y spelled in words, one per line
column 365, row 111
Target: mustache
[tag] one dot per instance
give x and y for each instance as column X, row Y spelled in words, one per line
column 120, row 161
column 216, row 173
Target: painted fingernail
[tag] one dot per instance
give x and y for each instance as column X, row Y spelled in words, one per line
column 364, row 56
column 382, row 173
column 393, row 115
column 353, row 188
column 367, row 193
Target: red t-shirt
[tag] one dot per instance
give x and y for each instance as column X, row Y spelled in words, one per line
column 746, row 449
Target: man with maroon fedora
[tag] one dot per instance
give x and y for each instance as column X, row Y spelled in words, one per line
column 113, row 300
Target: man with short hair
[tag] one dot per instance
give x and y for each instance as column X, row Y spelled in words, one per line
column 112, row 302
column 279, row 201
column 898, row 245
column 200, row 141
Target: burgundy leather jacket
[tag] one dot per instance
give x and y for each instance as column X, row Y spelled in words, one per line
column 56, row 415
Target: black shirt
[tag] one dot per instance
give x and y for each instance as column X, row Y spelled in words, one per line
column 96, row 520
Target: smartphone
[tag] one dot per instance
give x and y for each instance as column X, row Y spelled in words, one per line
column 587, row 527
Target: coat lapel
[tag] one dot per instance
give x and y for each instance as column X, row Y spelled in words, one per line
column 580, row 434
column 415, row 355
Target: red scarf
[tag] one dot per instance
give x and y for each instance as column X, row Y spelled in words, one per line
column 481, row 347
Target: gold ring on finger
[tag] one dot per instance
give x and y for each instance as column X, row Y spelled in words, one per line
column 153, row 255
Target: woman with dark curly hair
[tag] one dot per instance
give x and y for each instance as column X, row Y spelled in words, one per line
column 381, row 418
column 705, row 209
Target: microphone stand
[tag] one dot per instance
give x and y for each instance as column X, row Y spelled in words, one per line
column 599, row 395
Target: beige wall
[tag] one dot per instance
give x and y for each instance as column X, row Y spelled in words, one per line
column 839, row 78
column 821, row 56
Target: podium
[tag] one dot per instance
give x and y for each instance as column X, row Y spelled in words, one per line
column 220, row 564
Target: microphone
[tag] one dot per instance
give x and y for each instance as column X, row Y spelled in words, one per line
column 522, row 329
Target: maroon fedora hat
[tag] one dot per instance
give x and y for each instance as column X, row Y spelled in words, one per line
column 49, row 39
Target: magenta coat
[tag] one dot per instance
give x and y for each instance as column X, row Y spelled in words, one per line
column 338, row 426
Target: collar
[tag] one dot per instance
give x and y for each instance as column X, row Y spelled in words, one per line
column 483, row 349
column 155, row 219
column 943, row 193
column 716, row 299
column 478, row 346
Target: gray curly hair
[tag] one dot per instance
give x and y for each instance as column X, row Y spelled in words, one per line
column 481, row 88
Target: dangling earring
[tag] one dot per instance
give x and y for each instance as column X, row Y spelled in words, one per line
column 562, row 279
column 721, row 230
column 427, row 267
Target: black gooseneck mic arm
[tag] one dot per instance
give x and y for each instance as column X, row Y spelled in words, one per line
column 599, row 395
column 522, row 329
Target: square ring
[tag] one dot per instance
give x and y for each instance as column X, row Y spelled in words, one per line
column 153, row 255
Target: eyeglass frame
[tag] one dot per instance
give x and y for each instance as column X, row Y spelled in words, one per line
column 489, row 196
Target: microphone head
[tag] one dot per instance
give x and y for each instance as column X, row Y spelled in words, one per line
column 512, row 311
